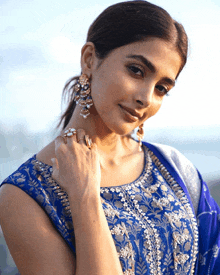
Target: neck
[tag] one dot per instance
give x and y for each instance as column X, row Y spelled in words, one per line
column 111, row 146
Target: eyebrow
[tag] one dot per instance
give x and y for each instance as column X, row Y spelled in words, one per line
column 151, row 67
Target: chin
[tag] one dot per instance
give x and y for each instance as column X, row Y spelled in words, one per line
column 123, row 131
column 120, row 128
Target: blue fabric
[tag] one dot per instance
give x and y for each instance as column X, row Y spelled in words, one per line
column 35, row 179
column 133, row 233
column 208, row 218
column 170, row 168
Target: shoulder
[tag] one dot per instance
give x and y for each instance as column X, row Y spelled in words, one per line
column 185, row 169
column 178, row 160
column 35, row 179
column 27, row 178
column 30, row 235
column 29, row 170
column 32, row 177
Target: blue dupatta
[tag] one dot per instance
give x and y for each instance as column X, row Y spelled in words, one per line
column 29, row 178
column 208, row 219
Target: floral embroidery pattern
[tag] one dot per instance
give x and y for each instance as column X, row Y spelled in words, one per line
column 126, row 252
column 119, row 229
column 151, row 211
column 129, row 272
column 149, row 219
column 35, row 179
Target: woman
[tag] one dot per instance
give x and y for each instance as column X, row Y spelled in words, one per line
column 107, row 204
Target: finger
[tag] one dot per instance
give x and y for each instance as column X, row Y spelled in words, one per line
column 55, row 164
column 60, row 149
column 71, row 135
column 80, row 135
column 59, row 141
column 94, row 150
column 55, row 173
column 94, row 147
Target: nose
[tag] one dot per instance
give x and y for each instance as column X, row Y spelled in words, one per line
column 144, row 96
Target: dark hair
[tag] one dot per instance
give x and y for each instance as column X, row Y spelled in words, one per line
column 125, row 23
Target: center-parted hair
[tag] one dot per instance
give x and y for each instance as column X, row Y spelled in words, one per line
column 125, row 23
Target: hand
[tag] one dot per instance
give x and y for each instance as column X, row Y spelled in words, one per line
column 77, row 168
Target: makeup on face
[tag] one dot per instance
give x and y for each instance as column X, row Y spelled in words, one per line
column 129, row 86
column 128, row 115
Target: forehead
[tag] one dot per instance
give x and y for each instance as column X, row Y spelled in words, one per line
column 159, row 52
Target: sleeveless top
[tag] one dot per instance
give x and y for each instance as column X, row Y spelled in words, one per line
column 152, row 219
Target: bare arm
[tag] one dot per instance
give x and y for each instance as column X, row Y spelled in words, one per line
column 37, row 248
column 35, row 245
column 95, row 248
column 77, row 169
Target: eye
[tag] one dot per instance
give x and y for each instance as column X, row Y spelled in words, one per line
column 136, row 70
column 162, row 89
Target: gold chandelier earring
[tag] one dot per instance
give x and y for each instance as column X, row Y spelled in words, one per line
column 82, row 94
column 140, row 135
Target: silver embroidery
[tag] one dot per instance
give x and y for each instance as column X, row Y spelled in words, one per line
column 162, row 202
column 215, row 251
column 61, row 194
column 180, row 259
column 179, row 238
column 183, row 198
column 119, row 229
column 129, row 272
column 126, row 252
column 130, row 201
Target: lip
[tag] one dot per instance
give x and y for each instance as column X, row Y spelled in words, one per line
column 131, row 114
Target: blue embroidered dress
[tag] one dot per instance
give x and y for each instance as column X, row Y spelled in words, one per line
column 152, row 220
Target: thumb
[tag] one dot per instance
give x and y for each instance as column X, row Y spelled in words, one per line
column 55, row 163
column 94, row 147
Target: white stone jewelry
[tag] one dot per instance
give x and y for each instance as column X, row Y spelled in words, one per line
column 82, row 94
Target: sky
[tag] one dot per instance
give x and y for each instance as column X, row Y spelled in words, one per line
column 40, row 42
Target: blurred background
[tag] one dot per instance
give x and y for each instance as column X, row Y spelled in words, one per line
column 40, row 50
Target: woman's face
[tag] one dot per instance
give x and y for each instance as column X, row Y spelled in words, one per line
column 131, row 82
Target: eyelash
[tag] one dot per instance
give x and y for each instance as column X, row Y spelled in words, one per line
column 134, row 69
column 166, row 91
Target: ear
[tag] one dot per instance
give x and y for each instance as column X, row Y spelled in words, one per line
column 88, row 58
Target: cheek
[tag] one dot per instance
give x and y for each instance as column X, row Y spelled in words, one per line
column 103, row 96
column 120, row 85
column 113, row 89
column 155, row 107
